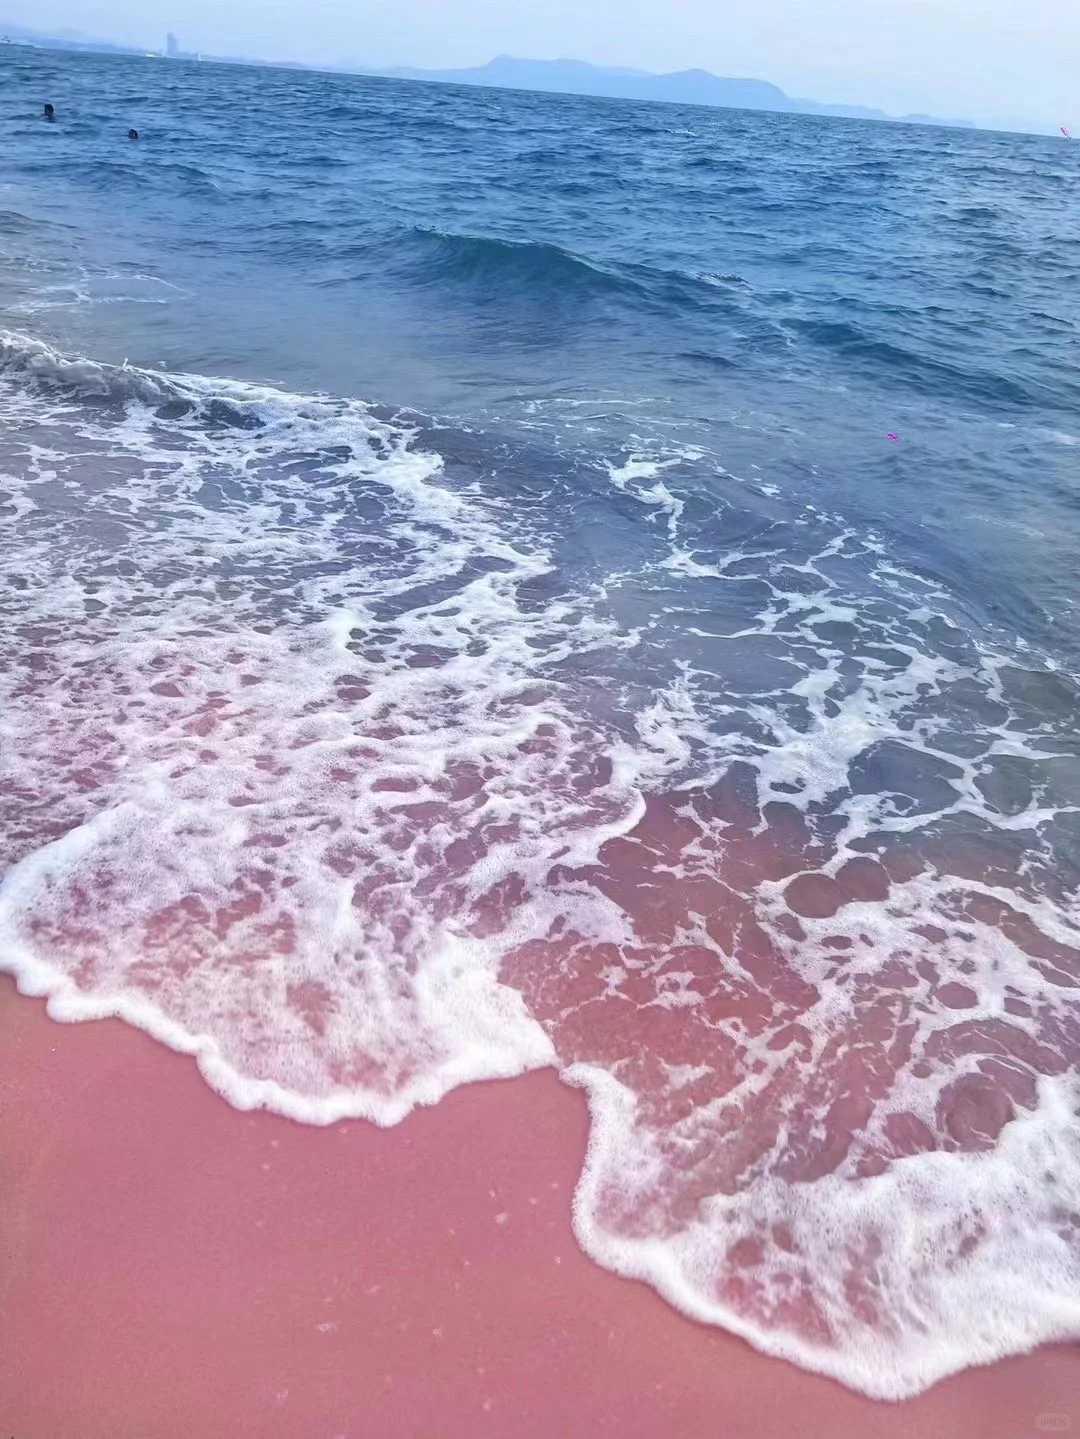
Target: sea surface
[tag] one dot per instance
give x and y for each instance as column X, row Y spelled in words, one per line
column 495, row 580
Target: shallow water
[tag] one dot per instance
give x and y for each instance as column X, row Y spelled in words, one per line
column 536, row 652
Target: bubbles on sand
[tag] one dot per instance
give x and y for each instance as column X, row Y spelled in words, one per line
column 274, row 702
column 362, row 759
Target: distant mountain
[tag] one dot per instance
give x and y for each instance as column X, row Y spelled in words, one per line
column 682, row 87
column 564, row 77
column 575, row 77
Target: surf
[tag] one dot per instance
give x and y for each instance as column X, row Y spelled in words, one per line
column 333, row 764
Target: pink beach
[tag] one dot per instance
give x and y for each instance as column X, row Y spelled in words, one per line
column 172, row 1268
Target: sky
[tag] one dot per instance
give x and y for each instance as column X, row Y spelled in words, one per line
column 1014, row 63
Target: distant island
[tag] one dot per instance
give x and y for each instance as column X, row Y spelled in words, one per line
column 681, row 87
column 505, row 72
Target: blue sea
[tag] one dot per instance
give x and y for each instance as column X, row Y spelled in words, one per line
column 498, row 580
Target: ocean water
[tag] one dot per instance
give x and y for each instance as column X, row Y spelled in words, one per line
column 495, row 581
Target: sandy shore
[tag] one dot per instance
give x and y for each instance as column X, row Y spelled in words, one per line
column 170, row 1267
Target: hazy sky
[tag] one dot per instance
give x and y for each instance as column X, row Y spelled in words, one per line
column 998, row 61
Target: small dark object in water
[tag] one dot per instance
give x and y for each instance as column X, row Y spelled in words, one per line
column 133, row 134
column 50, row 111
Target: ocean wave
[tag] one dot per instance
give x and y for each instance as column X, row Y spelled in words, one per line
column 513, row 274
column 129, row 174
column 509, row 273
column 393, row 795
column 654, row 719
column 442, row 255
column 916, row 367
column 26, row 358
column 14, row 222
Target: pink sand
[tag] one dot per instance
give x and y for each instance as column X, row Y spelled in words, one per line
column 173, row 1269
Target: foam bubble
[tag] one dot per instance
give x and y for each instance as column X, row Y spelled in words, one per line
column 359, row 775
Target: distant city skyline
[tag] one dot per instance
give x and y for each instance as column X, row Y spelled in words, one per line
column 991, row 60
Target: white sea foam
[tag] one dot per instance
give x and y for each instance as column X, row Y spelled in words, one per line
column 255, row 772
column 940, row 1264
column 321, row 763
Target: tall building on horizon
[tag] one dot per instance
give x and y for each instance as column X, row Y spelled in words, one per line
column 172, row 46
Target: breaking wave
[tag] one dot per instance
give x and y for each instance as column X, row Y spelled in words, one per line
column 360, row 764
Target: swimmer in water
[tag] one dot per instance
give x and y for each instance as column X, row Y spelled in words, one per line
column 133, row 134
column 50, row 111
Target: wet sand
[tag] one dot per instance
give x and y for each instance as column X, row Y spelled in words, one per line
column 170, row 1267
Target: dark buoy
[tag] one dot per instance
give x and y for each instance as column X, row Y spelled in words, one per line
column 133, row 134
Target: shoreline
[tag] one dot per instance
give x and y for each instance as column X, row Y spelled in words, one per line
column 172, row 1266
